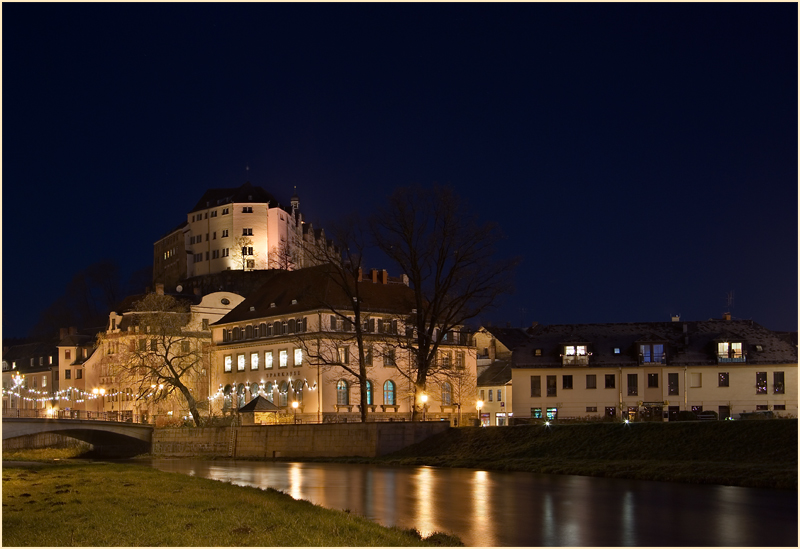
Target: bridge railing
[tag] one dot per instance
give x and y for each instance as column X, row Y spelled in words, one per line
column 120, row 416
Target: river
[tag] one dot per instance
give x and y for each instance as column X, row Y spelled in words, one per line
column 489, row 508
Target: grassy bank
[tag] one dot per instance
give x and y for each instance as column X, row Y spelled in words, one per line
column 102, row 504
column 738, row 453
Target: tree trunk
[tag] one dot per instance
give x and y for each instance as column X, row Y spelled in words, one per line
column 192, row 405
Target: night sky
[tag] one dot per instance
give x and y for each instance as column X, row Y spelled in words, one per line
column 640, row 158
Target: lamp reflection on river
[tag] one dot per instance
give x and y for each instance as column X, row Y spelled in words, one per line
column 425, row 520
column 295, row 481
column 481, row 491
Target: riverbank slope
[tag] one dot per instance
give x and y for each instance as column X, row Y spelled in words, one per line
column 738, row 453
column 97, row 504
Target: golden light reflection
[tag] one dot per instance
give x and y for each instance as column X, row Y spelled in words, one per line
column 483, row 526
column 424, row 481
column 295, row 481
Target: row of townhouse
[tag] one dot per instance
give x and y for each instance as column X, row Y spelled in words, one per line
column 288, row 342
column 648, row 371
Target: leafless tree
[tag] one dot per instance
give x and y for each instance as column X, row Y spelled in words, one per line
column 449, row 258
column 243, row 253
column 283, row 257
column 164, row 359
column 343, row 256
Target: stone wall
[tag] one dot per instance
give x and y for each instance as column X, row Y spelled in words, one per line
column 287, row 441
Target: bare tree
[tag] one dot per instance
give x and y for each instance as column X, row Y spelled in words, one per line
column 343, row 257
column 449, row 258
column 164, row 359
column 243, row 253
column 283, row 257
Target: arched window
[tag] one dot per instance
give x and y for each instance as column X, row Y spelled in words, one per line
column 262, row 330
column 298, row 392
column 254, row 390
column 369, row 392
column 240, row 395
column 447, row 394
column 342, row 393
column 291, row 326
column 270, row 392
column 237, row 333
column 276, row 328
column 248, row 332
column 284, row 394
column 389, row 392
column 226, row 403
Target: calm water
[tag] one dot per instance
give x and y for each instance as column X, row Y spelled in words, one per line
column 524, row 509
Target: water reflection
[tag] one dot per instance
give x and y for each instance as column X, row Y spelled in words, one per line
column 524, row 509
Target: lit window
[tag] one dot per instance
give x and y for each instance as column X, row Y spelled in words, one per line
column 761, row 383
column 447, row 394
column 228, row 363
column 254, row 361
column 342, row 393
column 240, row 363
column 730, row 351
column 284, row 358
column 268, row 359
column 388, row 393
column 652, row 353
column 298, row 357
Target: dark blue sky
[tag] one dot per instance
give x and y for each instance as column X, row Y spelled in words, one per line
column 641, row 158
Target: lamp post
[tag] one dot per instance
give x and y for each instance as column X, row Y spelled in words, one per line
column 479, row 405
column 295, row 404
column 424, row 400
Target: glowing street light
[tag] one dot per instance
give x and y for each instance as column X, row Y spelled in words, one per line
column 479, row 405
column 424, row 400
column 295, row 404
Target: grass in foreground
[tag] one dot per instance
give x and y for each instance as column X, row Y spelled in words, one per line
column 41, row 454
column 103, row 504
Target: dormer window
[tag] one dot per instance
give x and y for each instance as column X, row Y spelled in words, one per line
column 730, row 351
column 652, row 353
column 575, row 354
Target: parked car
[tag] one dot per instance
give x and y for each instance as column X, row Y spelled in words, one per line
column 708, row 415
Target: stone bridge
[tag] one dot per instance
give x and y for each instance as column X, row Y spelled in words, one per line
column 109, row 438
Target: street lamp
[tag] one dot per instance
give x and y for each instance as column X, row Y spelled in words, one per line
column 424, row 399
column 479, row 405
column 295, row 404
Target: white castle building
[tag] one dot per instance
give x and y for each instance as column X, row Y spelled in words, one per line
column 243, row 228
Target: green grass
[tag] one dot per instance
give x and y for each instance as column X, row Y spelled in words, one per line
column 739, row 453
column 103, row 504
column 41, row 454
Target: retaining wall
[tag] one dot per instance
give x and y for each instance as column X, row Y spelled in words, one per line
column 287, row 441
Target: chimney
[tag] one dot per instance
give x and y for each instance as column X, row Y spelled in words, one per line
column 73, row 330
column 384, row 277
column 676, row 318
column 159, row 288
column 726, row 316
column 360, row 274
column 373, row 274
column 62, row 333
